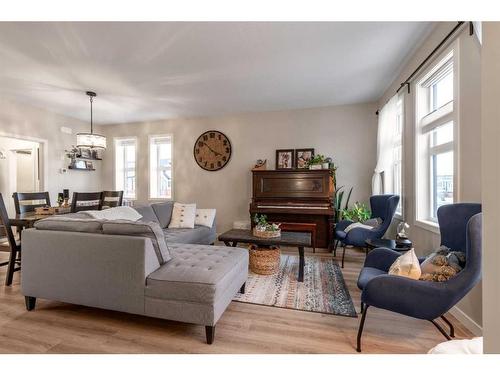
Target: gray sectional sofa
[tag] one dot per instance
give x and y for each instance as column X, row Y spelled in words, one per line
column 74, row 259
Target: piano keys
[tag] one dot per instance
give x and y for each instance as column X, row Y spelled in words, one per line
column 296, row 196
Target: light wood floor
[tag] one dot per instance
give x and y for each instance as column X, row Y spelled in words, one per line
column 55, row 327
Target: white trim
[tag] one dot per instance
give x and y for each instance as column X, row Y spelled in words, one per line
column 467, row 321
column 424, row 125
column 171, row 136
column 136, row 140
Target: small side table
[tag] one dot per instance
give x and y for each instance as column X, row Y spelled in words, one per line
column 390, row 244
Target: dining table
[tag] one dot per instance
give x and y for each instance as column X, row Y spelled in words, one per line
column 28, row 219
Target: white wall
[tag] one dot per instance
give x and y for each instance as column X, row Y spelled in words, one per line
column 346, row 133
column 491, row 181
column 30, row 123
column 469, row 183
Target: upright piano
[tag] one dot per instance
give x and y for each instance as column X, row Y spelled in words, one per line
column 296, row 196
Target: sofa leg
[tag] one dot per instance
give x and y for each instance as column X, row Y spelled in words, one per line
column 210, row 333
column 360, row 330
column 343, row 255
column 30, row 302
column 452, row 329
column 242, row 289
column 440, row 329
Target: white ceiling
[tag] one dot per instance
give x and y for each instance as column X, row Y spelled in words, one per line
column 148, row 71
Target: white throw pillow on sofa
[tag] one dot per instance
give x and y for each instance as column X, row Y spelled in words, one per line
column 183, row 216
column 205, row 217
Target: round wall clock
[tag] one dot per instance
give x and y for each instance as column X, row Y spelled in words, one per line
column 212, row 150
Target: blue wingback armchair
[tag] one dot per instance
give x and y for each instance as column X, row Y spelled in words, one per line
column 460, row 227
column 383, row 207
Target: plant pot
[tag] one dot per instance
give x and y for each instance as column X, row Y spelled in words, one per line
column 266, row 233
column 326, row 165
column 315, row 166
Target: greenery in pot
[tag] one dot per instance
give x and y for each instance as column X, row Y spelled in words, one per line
column 358, row 213
column 262, row 224
column 338, row 199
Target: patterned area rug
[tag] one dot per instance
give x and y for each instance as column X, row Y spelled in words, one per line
column 323, row 289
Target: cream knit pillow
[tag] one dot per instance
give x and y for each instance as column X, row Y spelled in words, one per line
column 406, row 265
column 183, row 216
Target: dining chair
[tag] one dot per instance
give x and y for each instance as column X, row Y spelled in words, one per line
column 86, row 201
column 112, row 198
column 14, row 263
column 20, row 200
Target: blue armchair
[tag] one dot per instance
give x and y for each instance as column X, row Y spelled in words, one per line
column 383, row 207
column 460, row 227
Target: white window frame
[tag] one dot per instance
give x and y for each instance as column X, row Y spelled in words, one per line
column 150, row 139
column 115, row 144
column 424, row 124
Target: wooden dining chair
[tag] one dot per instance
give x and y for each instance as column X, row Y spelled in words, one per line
column 112, row 198
column 21, row 199
column 86, row 201
column 14, row 263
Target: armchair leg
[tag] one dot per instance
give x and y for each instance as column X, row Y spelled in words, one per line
column 360, row 330
column 362, row 307
column 210, row 333
column 335, row 244
column 343, row 255
column 440, row 329
column 452, row 329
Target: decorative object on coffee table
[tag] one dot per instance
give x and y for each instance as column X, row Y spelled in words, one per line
column 264, row 260
column 292, row 239
column 264, row 229
column 285, row 159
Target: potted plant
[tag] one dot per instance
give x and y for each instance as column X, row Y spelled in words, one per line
column 316, row 162
column 265, row 229
column 338, row 199
column 358, row 213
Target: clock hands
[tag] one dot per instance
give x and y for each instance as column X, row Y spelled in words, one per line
column 210, row 148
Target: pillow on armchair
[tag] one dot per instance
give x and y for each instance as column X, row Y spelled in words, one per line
column 406, row 265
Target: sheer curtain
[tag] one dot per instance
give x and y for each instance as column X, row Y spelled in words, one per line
column 387, row 125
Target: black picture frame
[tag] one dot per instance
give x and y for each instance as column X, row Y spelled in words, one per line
column 298, row 157
column 290, row 159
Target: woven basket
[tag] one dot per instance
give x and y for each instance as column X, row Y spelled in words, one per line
column 264, row 261
column 266, row 233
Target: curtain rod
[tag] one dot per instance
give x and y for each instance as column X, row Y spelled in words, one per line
column 407, row 81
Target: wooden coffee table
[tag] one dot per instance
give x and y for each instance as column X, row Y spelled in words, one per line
column 292, row 239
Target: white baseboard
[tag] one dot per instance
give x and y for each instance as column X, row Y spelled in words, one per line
column 465, row 319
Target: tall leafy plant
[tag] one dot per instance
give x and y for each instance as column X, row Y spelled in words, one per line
column 338, row 199
column 357, row 213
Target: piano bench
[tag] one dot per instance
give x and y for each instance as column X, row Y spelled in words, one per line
column 301, row 227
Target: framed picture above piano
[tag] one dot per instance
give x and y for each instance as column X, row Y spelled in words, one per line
column 302, row 157
column 285, row 159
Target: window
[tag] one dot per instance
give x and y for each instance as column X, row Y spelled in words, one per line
column 435, row 140
column 397, row 149
column 125, row 166
column 160, row 167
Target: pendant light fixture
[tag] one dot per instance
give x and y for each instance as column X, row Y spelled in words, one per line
column 91, row 140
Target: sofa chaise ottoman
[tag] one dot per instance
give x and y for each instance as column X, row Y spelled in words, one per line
column 82, row 265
